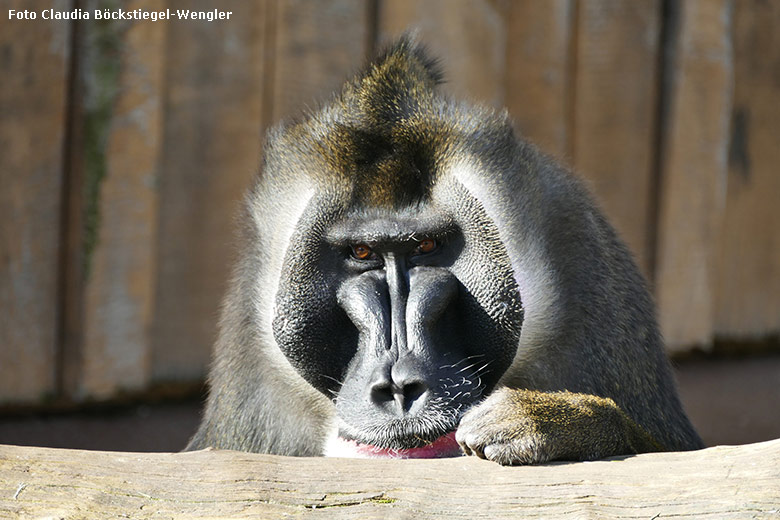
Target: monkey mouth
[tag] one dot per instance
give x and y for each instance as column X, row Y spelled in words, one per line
column 444, row 446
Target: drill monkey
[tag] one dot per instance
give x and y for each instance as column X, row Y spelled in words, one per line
column 416, row 280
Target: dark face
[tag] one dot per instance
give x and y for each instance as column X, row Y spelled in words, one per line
column 404, row 317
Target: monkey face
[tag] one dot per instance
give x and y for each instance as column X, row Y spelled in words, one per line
column 404, row 316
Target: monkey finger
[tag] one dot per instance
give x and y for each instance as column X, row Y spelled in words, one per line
column 469, row 445
column 477, row 450
column 465, row 448
column 504, row 454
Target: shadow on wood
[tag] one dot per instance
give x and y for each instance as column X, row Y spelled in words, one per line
column 721, row 482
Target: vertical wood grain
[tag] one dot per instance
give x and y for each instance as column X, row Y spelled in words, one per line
column 211, row 151
column 468, row 36
column 538, row 63
column 317, row 45
column 747, row 273
column 34, row 60
column 121, row 182
column 693, row 173
column 616, row 56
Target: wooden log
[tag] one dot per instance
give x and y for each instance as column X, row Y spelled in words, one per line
column 34, row 59
column 720, row 483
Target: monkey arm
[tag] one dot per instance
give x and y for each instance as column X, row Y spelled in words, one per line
column 515, row 426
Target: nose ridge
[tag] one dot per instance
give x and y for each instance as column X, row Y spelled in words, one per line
column 432, row 292
column 401, row 387
column 431, row 318
column 397, row 278
column 366, row 303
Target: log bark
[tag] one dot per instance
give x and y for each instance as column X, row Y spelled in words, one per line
column 721, row 482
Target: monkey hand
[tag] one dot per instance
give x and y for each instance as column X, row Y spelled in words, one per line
column 531, row 427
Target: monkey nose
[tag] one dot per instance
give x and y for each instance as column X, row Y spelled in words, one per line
column 398, row 388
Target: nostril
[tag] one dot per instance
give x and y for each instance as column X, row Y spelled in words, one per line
column 382, row 392
column 413, row 390
column 404, row 395
column 409, row 393
column 399, row 388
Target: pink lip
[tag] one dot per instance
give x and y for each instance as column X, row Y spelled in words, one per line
column 444, row 446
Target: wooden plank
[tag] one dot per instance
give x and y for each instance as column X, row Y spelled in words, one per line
column 123, row 66
column 317, row 45
column 211, row 149
column 614, row 119
column 34, row 58
column 747, row 295
column 724, row 482
column 538, row 78
column 469, row 36
column 694, row 169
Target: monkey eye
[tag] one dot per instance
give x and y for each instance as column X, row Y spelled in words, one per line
column 362, row 252
column 425, row 246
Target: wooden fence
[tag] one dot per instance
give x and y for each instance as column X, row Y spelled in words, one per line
column 125, row 147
